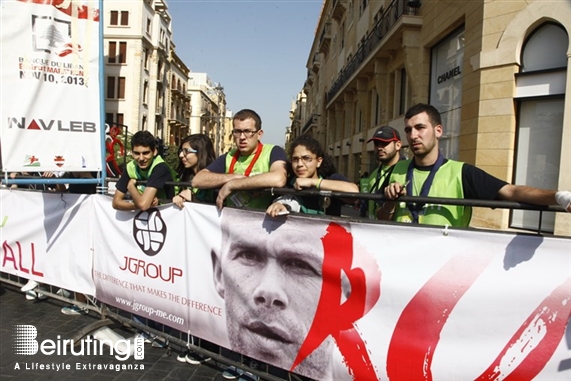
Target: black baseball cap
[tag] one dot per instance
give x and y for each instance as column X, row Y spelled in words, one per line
column 385, row 134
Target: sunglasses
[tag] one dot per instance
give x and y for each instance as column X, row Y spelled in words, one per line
column 187, row 151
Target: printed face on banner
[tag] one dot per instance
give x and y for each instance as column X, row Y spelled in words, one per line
column 294, row 290
column 271, row 281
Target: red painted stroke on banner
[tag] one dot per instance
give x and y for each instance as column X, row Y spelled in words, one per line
column 65, row 7
column 545, row 327
column 418, row 329
column 335, row 319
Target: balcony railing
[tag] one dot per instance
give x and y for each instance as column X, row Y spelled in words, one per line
column 179, row 93
column 312, row 121
column 389, row 18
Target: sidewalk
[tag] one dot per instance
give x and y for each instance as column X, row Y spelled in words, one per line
column 45, row 315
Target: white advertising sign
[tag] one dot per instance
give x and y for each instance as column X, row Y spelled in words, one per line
column 46, row 237
column 326, row 298
column 50, row 86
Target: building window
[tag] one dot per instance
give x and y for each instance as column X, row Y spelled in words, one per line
column 112, row 52
column 114, row 118
column 351, row 6
column 111, row 87
column 342, row 33
column 545, row 49
column 124, row 18
column 540, row 118
column 146, row 58
column 117, row 55
column 359, row 119
column 400, row 91
column 377, row 108
column 403, row 91
column 145, row 92
column 362, row 7
column 115, row 87
column 148, row 26
column 114, row 17
column 119, row 18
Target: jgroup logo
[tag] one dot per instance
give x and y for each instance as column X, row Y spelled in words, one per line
column 25, row 343
column 150, row 231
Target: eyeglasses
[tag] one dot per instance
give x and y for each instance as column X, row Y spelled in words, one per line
column 187, row 151
column 247, row 133
column 304, row 159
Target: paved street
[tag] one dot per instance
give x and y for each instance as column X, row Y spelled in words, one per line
column 45, row 315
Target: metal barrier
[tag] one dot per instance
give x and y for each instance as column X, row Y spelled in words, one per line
column 169, row 338
column 176, row 340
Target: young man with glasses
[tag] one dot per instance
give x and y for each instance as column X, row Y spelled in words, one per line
column 252, row 165
column 146, row 165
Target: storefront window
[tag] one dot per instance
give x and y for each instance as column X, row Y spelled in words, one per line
column 446, row 89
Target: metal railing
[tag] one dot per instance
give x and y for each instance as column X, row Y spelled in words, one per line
column 177, row 340
column 371, row 41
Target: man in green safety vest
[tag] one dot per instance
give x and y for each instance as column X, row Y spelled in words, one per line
column 387, row 149
column 429, row 174
column 146, row 165
column 252, row 165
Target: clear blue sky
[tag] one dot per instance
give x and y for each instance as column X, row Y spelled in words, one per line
column 256, row 49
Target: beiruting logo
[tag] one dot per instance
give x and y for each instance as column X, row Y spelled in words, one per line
column 25, row 343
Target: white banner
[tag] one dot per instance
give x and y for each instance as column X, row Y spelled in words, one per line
column 50, row 89
column 47, row 237
column 338, row 300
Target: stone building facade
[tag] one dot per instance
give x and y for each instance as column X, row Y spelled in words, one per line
column 496, row 70
column 147, row 85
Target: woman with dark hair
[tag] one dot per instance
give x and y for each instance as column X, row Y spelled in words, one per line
column 311, row 168
column 195, row 153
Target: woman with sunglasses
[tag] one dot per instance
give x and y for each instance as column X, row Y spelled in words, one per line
column 195, row 153
column 312, row 169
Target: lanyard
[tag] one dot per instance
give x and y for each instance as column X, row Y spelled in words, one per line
column 413, row 207
column 379, row 177
column 249, row 169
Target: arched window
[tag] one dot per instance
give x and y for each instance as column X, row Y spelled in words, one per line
column 546, row 48
column 540, row 89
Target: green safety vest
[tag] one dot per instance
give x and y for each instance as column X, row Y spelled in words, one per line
column 364, row 188
column 447, row 183
column 203, row 195
column 252, row 199
column 372, row 181
column 135, row 172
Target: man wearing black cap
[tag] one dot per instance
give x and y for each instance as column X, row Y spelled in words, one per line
column 387, row 145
